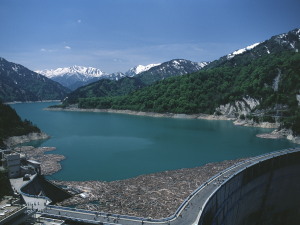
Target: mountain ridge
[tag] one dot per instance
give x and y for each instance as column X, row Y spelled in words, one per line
column 18, row 83
column 139, row 69
column 288, row 41
column 88, row 71
column 78, row 76
column 174, row 67
column 126, row 85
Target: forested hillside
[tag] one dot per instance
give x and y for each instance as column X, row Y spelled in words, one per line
column 104, row 88
column 12, row 125
column 17, row 83
column 260, row 82
column 126, row 85
column 204, row 91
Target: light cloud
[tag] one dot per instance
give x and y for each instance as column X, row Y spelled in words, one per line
column 79, row 21
column 47, row 50
column 67, row 47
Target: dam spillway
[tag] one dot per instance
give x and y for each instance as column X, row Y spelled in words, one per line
column 261, row 190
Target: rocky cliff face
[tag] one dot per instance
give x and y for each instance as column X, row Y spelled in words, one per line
column 243, row 107
column 239, row 110
column 15, row 140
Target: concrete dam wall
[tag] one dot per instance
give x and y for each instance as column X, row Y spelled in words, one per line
column 266, row 193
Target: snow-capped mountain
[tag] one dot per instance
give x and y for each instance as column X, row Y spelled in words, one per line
column 175, row 67
column 142, row 77
column 139, row 69
column 82, row 72
column 75, row 76
column 177, row 63
column 289, row 41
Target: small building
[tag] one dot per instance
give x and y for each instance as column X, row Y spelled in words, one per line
column 2, row 152
column 18, row 166
column 12, row 162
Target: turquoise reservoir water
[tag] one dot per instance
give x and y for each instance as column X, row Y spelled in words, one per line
column 104, row 146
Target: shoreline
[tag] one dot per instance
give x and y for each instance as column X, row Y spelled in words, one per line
column 17, row 102
column 50, row 163
column 16, row 140
column 149, row 114
column 275, row 134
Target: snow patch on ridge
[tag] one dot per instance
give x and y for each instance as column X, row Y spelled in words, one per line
column 15, row 68
column 298, row 99
column 202, row 64
column 268, row 51
column 140, row 68
column 240, row 51
column 276, row 81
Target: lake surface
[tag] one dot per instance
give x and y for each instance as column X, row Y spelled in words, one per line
column 106, row 146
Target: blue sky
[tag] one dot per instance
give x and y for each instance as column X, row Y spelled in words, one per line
column 115, row 35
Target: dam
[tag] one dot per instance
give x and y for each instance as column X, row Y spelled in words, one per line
column 261, row 190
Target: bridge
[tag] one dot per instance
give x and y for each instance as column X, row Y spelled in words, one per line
column 215, row 201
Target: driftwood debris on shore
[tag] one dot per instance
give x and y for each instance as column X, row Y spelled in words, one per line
column 49, row 162
column 155, row 195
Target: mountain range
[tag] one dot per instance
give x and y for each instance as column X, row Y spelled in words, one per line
column 18, row 83
column 77, row 76
column 138, row 79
